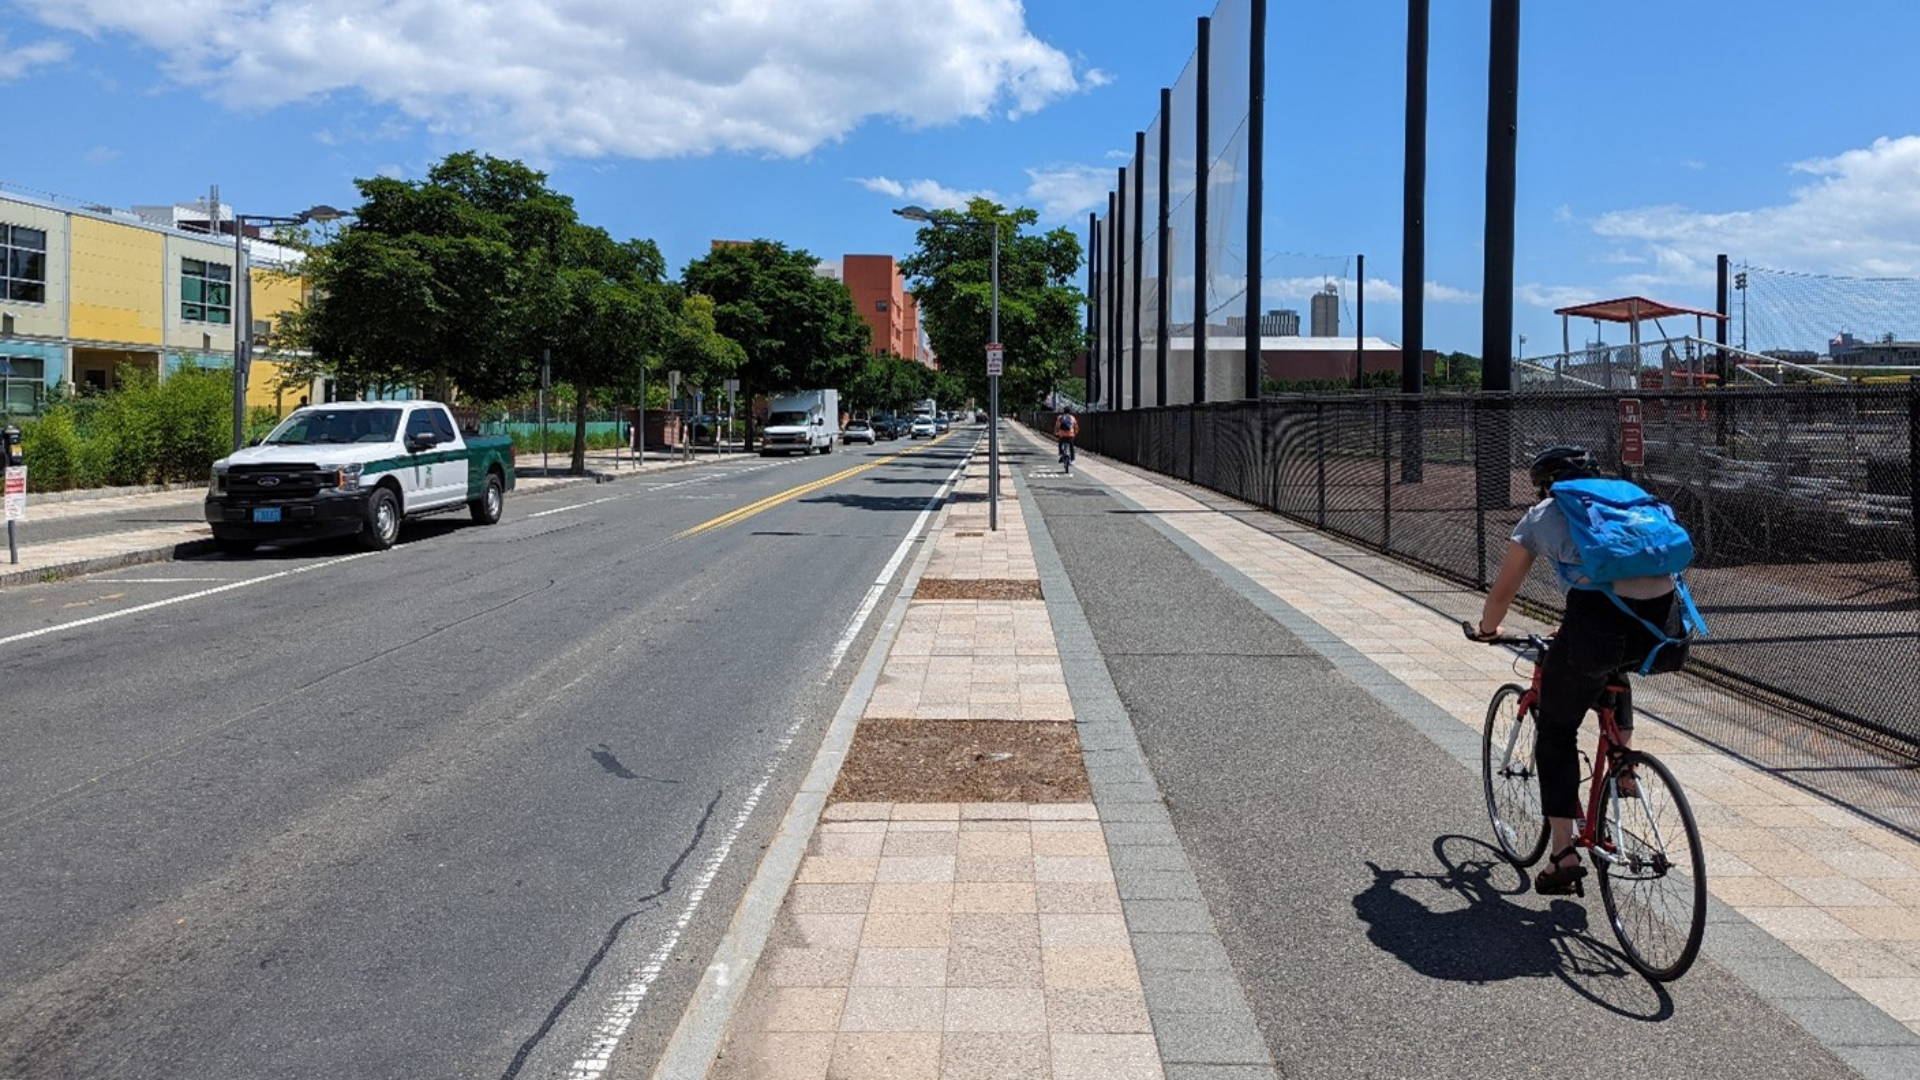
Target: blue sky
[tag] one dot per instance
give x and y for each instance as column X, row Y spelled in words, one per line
column 1652, row 135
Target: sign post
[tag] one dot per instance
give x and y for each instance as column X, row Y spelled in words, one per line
column 16, row 501
column 1633, row 442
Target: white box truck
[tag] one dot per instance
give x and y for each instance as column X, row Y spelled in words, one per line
column 801, row 422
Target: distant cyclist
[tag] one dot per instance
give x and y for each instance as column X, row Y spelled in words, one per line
column 1066, row 427
column 1597, row 642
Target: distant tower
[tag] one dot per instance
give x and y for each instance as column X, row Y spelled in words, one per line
column 1325, row 312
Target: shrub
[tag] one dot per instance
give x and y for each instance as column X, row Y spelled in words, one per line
column 53, row 451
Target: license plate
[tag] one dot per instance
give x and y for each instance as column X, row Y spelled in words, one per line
column 265, row 514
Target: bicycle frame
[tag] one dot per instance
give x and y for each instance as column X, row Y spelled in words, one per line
column 1606, row 749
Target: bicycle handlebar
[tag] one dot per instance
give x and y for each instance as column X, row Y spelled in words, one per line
column 1531, row 641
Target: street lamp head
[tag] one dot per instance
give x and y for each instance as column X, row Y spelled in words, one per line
column 322, row 213
column 915, row 213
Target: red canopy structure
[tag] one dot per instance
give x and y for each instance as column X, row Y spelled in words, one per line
column 1631, row 310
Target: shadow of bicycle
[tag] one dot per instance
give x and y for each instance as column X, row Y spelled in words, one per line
column 1461, row 923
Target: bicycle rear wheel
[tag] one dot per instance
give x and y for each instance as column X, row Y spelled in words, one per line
column 1653, row 871
column 1512, row 784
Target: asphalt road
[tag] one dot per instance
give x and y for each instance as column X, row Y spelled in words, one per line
column 467, row 808
column 1342, row 854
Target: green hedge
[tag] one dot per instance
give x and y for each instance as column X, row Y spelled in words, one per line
column 144, row 432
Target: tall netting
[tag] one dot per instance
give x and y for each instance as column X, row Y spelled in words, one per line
column 1150, row 270
column 1228, row 114
column 1825, row 319
column 1800, row 501
column 1182, row 309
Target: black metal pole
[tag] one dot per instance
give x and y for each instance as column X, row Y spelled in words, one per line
column 1413, row 216
column 1112, row 312
column 1503, row 120
column 1721, row 273
column 1493, row 450
column 1121, row 281
column 1360, row 322
column 1165, row 277
column 1256, row 186
column 1087, row 394
column 1201, row 155
column 1139, row 258
column 1913, row 468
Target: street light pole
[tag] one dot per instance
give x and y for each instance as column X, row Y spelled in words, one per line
column 922, row 214
column 241, row 300
column 993, row 400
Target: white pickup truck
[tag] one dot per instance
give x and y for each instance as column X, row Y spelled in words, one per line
column 356, row 468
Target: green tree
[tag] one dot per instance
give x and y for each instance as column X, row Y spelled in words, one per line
column 796, row 329
column 701, row 354
column 615, row 306
column 454, row 280
column 951, row 274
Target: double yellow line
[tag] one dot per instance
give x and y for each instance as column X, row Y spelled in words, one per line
column 734, row 517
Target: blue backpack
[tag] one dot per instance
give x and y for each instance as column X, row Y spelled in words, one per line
column 1623, row 532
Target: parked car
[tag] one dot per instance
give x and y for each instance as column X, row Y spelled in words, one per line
column 886, row 426
column 858, row 431
column 941, row 423
column 705, row 430
column 923, row 428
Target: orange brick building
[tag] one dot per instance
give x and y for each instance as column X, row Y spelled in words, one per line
column 880, row 293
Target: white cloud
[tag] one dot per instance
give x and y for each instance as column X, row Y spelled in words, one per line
column 928, row 193
column 635, row 78
column 15, row 63
column 102, row 155
column 1555, row 296
column 1860, row 217
column 1065, row 193
column 1379, row 290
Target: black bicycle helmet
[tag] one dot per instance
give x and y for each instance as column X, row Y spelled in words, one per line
column 1559, row 463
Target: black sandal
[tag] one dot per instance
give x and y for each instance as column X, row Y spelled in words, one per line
column 1559, row 880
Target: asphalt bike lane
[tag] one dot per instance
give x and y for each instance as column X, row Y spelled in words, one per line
column 1343, row 854
column 428, row 812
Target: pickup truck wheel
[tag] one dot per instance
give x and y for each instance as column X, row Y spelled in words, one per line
column 383, row 521
column 486, row 509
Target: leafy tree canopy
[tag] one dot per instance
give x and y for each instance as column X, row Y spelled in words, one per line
column 951, row 275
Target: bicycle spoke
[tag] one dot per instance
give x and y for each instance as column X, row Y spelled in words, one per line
column 1653, row 879
column 1512, row 787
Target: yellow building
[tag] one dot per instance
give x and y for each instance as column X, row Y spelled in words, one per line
column 85, row 292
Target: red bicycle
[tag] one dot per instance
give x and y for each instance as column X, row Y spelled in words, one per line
column 1638, row 829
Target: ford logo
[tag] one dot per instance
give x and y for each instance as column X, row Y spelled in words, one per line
column 268, row 481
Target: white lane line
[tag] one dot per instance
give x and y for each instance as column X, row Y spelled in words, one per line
column 77, row 623
column 625, row 1002
column 152, row 580
column 578, row 506
column 879, row 586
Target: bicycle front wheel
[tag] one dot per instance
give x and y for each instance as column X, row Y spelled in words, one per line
column 1653, row 871
column 1511, row 781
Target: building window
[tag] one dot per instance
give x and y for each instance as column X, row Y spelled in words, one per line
column 879, row 305
column 23, row 386
column 206, row 292
column 23, row 264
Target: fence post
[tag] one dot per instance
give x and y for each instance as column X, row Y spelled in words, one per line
column 1913, row 469
column 1476, row 410
column 1320, row 459
column 1386, row 474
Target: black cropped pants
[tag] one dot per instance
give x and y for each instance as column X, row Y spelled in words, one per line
column 1597, row 644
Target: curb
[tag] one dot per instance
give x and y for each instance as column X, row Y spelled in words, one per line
column 186, row 549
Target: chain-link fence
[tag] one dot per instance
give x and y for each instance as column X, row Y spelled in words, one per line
column 1800, row 502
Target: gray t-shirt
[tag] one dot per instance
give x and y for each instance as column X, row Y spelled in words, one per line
column 1543, row 531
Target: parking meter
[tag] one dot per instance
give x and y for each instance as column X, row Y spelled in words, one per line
column 10, row 457
column 13, row 471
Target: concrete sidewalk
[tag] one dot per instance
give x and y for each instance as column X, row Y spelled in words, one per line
column 110, row 549
column 1018, row 939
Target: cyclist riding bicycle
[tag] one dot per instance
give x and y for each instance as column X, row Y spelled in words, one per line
column 1065, row 428
column 1595, row 645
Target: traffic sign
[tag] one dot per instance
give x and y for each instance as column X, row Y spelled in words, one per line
column 1633, row 441
column 996, row 358
column 16, row 494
